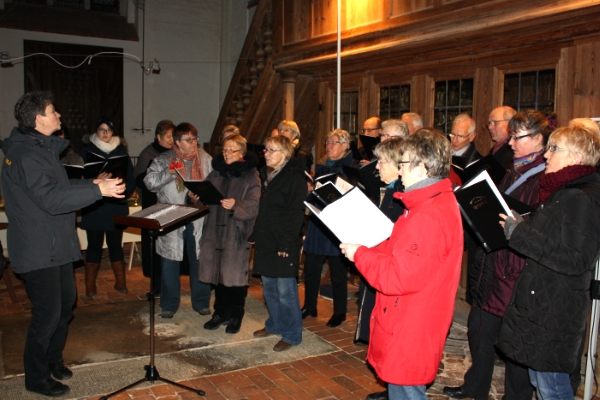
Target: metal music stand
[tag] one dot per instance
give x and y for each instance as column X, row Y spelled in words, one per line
column 157, row 219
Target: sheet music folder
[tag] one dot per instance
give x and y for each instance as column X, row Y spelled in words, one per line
column 480, row 204
column 160, row 216
column 207, row 192
column 370, row 229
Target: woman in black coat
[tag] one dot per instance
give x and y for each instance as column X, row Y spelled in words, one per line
column 320, row 244
column 277, row 242
column 544, row 324
column 224, row 247
column 97, row 219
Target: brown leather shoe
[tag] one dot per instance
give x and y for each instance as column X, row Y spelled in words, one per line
column 282, row 346
column 262, row 333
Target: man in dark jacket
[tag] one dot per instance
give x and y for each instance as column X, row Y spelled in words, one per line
column 498, row 126
column 40, row 204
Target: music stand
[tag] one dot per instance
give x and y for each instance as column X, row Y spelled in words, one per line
column 158, row 218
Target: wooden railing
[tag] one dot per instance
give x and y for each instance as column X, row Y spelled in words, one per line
column 250, row 68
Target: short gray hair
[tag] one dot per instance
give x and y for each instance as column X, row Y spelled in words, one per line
column 466, row 118
column 342, row 134
column 415, row 118
column 430, row 148
column 397, row 125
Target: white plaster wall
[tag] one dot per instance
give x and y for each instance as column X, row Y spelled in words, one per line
column 184, row 35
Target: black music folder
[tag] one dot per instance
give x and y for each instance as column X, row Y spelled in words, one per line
column 366, row 178
column 368, row 144
column 487, row 163
column 115, row 165
column 480, row 204
column 208, row 193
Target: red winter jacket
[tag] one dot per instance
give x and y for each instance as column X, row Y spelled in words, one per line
column 416, row 273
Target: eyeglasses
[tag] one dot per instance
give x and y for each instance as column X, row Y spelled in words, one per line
column 365, row 130
column 101, row 130
column 555, row 148
column 331, row 143
column 270, row 151
column 284, row 130
column 230, row 151
column 495, row 122
column 459, row 137
column 516, row 138
column 189, row 140
column 402, row 162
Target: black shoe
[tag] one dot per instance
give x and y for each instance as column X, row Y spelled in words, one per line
column 49, row 387
column 455, row 392
column 336, row 320
column 309, row 312
column 378, row 396
column 59, row 371
column 215, row 322
column 234, row 325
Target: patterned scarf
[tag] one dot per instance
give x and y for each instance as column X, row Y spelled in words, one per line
column 528, row 159
column 550, row 183
column 195, row 173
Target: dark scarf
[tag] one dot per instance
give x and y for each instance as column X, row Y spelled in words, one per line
column 234, row 170
column 156, row 146
column 549, row 183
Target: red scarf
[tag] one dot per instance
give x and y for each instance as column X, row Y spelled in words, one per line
column 196, row 173
column 549, row 183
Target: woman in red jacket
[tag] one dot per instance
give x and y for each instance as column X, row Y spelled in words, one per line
column 415, row 272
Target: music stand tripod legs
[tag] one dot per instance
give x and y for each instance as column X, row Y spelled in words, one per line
column 151, row 371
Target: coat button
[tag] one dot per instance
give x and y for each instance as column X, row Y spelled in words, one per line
column 533, row 292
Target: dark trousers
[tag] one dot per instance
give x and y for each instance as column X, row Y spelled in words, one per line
column 230, row 301
column 366, row 298
column 483, row 329
column 52, row 293
column 313, row 266
column 114, row 241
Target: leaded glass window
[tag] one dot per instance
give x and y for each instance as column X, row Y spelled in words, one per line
column 452, row 97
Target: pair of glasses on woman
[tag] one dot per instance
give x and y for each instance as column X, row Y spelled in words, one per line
column 225, row 151
column 270, row 151
column 189, row 140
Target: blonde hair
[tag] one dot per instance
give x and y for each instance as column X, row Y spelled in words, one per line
column 239, row 140
column 579, row 139
column 389, row 150
column 283, row 143
column 291, row 125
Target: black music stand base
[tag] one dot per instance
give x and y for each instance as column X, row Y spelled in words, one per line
column 151, row 371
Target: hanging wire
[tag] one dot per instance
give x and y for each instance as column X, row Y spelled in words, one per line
column 87, row 59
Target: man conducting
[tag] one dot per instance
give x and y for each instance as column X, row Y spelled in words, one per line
column 40, row 204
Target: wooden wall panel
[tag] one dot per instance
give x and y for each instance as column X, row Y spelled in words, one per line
column 307, row 110
column 296, row 21
column 422, row 89
column 360, row 12
column 368, row 99
column 565, row 85
column 587, row 81
column 401, row 7
column 326, row 98
column 487, row 91
column 324, row 17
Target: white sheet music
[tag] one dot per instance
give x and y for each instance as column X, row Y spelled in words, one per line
column 369, row 228
column 165, row 213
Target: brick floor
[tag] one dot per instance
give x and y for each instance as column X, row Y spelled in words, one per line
column 339, row 375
